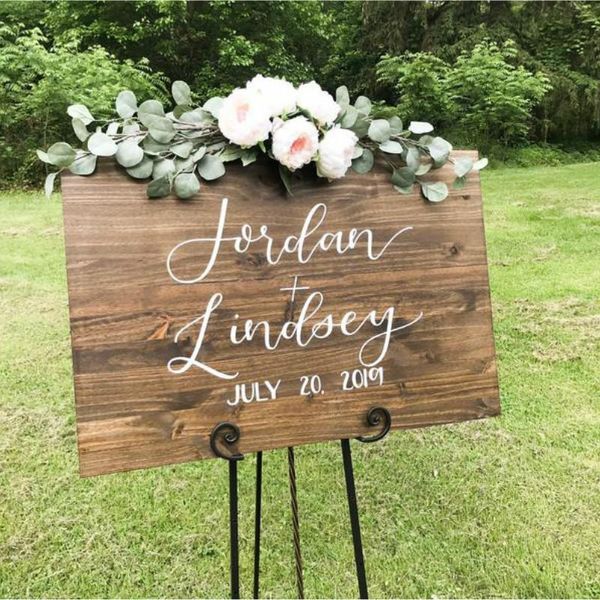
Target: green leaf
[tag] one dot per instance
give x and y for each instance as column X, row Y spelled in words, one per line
column 162, row 168
column 61, row 154
column 396, row 125
column 213, row 106
column 231, row 153
column 181, row 92
column 482, row 163
column 198, row 154
column 434, row 192
column 161, row 129
column 211, row 167
column 439, row 149
column 358, row 152
column 129, row 153
column 379, row 130
column 403, row 177
column 84, row 163
column 286, row 178
column 181, row 109
column 131, row 129
column 182, row 149
column 423, row 168
column 463, row 166
column 391, row 147
column 126, row 104
column 349, row 117
column 80, row 129
column 419, row 127
column 361, row 127
column 364, row 163
column 459, row 183
column 186, row 185
column 248, row 156
column 43, row 156
column 143, row 170
column 159, row 188
column 101, row 145
column 80, row 111
column 342, row 97
column 152, row 146
column 49, row 183
column 363, row 105
column 413, row 159
column 404, row 190
column 196, row 117
column 149, row 110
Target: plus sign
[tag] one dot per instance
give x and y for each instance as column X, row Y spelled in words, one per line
column 295, row 287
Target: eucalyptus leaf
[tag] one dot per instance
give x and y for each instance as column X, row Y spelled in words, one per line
column 211, row 167
column 181, row 92
column 112, row 129
column 396, row 125
column 181, row 109
column 182, row 149
column 84, row 163
column 419, row 127
column 434, row 192
column 196, row 117
column 186, row 185
column 361, row 127
column 403, row 177
column 131, row 129
column 349, row 117
column 142, row 170
column 213, row 106
column 162, row 168
column 49, row 183
column 439, row 149
column 199, row 153
column 286, row 178
column 342, row 97
column 149, row 110
column 358, row 152
column 463, row 166
column 404, row 190
column 391, row 147
column 364, row 163
column 423, row 168
column 61, row 154
column 230, row 154
column 482, row 163
column 150, row 145
column 248, row 157
column 413, row 159
column 80, row 111
column 363, row 105
column 129, row 154
column 159, row 188
column 459, row 183
column 379, row 130
column 101, row 145
column 43, row 156
column 80, row 129
column 126, row 104
column 161, row 129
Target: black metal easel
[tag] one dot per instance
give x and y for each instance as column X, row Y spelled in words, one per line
column 227, row 434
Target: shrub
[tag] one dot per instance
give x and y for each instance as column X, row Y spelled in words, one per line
column 38, row 85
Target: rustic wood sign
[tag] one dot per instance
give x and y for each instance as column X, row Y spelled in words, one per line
column 288, row 316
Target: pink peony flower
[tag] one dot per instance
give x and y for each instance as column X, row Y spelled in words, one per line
column 335, row 153
column 319, row 104
column 278, row 95
column 244, row 118
column 295, row 142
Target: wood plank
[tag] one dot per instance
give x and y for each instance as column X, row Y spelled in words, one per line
column 126, row 309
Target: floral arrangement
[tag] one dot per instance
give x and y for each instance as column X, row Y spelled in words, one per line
column 295, row 126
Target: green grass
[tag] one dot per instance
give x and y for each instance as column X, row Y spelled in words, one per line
column 506, row 507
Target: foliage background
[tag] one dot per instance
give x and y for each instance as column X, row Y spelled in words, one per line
column 502, row 76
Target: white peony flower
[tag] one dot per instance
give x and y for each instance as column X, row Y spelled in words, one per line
column 320, row 104
column 244, row 119
column 295, row 142
column 335, row 153
column 278, row 95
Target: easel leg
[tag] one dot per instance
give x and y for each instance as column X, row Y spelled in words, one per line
column 257, row 518
column 295, row 522
column 354, row 520
column 233, row 530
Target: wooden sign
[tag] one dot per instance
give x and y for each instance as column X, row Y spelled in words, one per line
column 288, row 316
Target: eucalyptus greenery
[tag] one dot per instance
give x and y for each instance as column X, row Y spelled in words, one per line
column 178, row 150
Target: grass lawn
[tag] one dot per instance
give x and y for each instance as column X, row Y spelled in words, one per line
column 506, row 507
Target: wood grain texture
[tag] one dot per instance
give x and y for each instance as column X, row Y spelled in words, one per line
column 125, row 309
